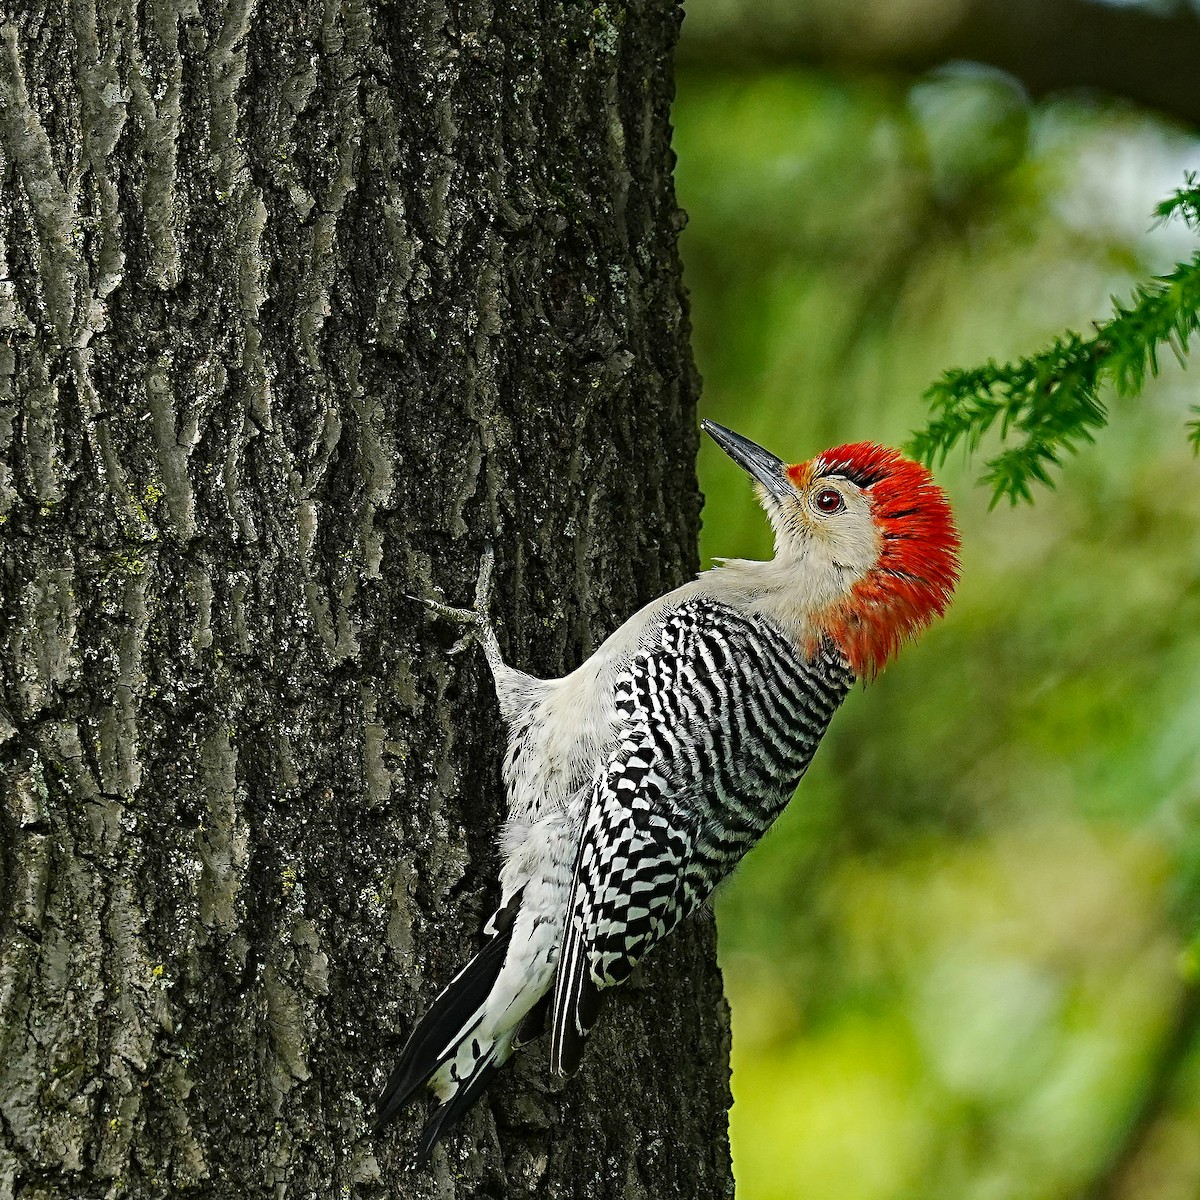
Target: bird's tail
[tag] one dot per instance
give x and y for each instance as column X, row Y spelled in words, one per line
column 449, row 1036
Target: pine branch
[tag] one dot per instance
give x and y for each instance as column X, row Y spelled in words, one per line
column 1052, row 401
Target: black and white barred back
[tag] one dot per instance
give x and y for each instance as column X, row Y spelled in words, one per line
column 720, row 720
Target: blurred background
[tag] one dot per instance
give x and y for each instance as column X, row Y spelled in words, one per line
column 962, row 966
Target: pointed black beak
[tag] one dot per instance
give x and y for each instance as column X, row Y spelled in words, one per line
column 764, row 466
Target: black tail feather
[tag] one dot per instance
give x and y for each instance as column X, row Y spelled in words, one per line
column 577, row 999
column 435, row 1038
column 443, row 1119
column 536, row 1022
column 573, row 1022
column 447, row 1115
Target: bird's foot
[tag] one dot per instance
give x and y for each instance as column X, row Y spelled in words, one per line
column 476, row 620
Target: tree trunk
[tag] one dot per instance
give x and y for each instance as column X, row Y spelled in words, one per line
column 302, row 302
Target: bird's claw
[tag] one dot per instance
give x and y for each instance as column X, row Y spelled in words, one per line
column 475, row 619
column 457, row 616
column 463, row 643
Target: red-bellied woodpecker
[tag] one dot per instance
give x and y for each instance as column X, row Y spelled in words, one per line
column 637, row 782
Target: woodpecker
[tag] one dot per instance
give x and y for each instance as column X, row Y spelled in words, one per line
column 637, row 782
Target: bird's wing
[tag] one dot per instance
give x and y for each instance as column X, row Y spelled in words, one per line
column 719, row 719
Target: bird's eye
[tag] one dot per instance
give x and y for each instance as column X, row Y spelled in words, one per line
column 829, row 501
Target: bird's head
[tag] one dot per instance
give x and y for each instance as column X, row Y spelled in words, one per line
column 865, row 536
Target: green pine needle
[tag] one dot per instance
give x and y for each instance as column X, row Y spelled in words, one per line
column 1050, row 403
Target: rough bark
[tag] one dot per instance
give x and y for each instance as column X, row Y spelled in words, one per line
column 301, row 303
column 1136, row 51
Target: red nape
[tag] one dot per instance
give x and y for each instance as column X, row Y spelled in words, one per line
column 914, row 580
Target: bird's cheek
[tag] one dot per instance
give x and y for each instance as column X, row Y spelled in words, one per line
column 789, row 524
column 803, row 524
column 856, row 551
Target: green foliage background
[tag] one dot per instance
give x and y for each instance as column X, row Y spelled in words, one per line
column 960, row 966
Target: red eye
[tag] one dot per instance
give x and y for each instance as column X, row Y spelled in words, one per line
column 829, row 501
